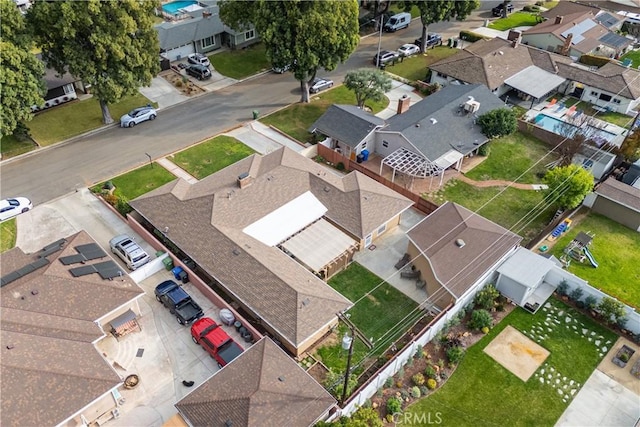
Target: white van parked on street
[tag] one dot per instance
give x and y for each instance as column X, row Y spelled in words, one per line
column 397, row 22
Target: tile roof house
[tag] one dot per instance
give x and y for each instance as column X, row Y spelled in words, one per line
column 52, row 374
column 457, row 251
column 262, row 387
column 617, row 201
column 265, row 229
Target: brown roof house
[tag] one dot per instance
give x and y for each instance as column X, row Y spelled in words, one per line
column 263, row 387
column 617, row 201
column 267, row 229
column 56, row 304
column 456, row 252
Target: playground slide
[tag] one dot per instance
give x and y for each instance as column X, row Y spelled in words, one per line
column 590, row 256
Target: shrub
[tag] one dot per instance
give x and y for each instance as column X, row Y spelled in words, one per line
column 590, row 302
column 486, row 297
column 455, row 354
column 624, row 357
column 340, row 166
column 576, row 294
column 485, row 330
column 611, row 309
column 424, row 390
column 562, row 288
column 484, row 149
column 480, row 319
column 394, row 405
column 470, row 36
column 334, row 382
column 399, row 384
column 389, row 382
column 429, row 372
column 404, row 394
column 443, row 375
column 580, row 304
column 367, row 403
column 401, row 373
column 440, row 364
column 431, row 384
column 122, row 205
column 418, row 379
column 112, row 199
column 409, row 362
column 498, row 122
column 415, row 392
column 319, row 159
column 418, row 352
column 531, row 8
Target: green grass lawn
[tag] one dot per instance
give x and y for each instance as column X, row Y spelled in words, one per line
column 8, row 232
column 507, row 209
column 483, row 392
column 210, row 156
column 415, row 67
column 634, row 55
column 241, row 63
column 512, row 156
column 619, row 119
column 76, row 117
column 10, row 146
column 415, row 12
column 296, row 119
column 139, row 181
column 516, row 19
column 616, row 249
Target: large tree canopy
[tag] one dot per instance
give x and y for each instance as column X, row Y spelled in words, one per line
column 304, row 35
column 21, row 83
column 109, row 44
column 499, row 122
column 568, row 185
column 432, row 11
column 367, row 83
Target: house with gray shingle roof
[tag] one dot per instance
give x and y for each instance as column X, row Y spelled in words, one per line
column 268, row 229
column 52, row 373
column 617, row 201
column 262, row 387
column 457, row 251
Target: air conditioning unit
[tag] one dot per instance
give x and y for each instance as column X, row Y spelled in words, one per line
column 471, row 106
column 116, row 413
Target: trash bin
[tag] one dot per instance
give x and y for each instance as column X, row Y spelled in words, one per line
column 176, row 272
column 256, row 113
column 365, row 155
column 359, row 158
column 159, row 254
column 168, row 263
column 183, row 276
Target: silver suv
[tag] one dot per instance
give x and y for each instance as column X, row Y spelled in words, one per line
column 384, row 57
column 128, row 251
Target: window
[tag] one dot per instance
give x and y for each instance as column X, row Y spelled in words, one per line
column 604, row 97
column 249, row 35
column 385, row 144
column 382, row 229
column 208, row 42
column 68, row 88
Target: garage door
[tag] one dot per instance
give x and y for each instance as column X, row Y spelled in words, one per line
column 179, row 53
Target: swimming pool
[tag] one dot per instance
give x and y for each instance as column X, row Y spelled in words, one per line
column 173, row 7
column 553, row 125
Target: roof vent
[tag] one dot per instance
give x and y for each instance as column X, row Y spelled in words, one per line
column 281, row 378
column 236, row 252
column 460, row 243
column 433, row 121
column 34, row 292
column 10, row 346
column 327, row 189
column 228, row 423
column 417, row 125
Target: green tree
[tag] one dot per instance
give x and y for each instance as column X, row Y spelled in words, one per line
column 630, row 148
column 363, row 417
column 367, row 83
column 305, row 35
column 109, row 44
column 568, row 185
column 21, row 83
column 499, row 122
column 432, row 11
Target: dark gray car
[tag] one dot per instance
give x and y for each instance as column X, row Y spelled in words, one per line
column 200, row 72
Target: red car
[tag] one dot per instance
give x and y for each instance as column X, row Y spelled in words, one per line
column 215, row 341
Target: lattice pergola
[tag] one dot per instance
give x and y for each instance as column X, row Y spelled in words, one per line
column 412, row 164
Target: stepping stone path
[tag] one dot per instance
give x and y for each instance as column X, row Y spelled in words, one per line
column 565, row 387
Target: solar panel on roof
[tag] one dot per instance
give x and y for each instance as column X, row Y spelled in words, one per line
column 82, row 271
column 108, row 270
column 91, row 251
column 606, row 19
column 72, row 259
column 57, row 245
column 614, row 40
column 29, row 268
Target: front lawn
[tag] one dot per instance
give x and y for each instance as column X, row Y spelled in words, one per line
column 512, row 158
column 10, row 146
column 210, row 156
column 415, row 67
column 139, row 181
column 510, row 209
column 77, row 117
column 634, row 55
column 483, row 392
column 241, row 63
column 616, row 249
column 8, row 233
column 517, row 19
column 296, row 118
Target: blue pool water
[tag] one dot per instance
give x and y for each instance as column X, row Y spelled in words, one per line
column 174, row 6
column 551, row 124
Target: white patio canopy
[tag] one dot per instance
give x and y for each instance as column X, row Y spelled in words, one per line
column 534, row 81
column 413, row 164
column 287, row 220
column 318, row 245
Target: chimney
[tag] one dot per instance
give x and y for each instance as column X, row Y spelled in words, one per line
column 559, row 19
column 403, row 104
column 514, row 37
column 244, row 180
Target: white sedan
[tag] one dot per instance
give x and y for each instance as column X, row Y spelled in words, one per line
column 12, row 207
column 408, row 49
column 138, row 115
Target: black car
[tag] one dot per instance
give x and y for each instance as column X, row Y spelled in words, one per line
column 200, row 72
column 433, row 39
column 499, row 9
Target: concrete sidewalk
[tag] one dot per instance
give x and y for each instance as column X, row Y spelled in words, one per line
column 398, row 90
column 176, row 170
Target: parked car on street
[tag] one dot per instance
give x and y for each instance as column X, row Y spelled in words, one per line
column 433, row 39
column 178, row 301
column 320, row 84
column 13, row 207
column 129, row 251
column 200, row 72
column 138, row 115
column 207, row 333
column 384, row 57
column 408, row 49
column 499, row 9
column 198, row 59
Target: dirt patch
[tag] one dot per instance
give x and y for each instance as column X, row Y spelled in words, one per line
column 517, row 353
column 182, row 83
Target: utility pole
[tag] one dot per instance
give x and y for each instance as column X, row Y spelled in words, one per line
column 355, row 332
column 380, row 39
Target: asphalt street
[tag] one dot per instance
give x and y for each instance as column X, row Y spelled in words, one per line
column 52, row 172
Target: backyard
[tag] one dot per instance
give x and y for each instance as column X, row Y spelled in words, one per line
column 483, row 392
column 415, row 68
column 8, row 232
column 241, row 63
column 615, row 248
column 211, row 156
column 296, row 119
column 634, row 56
